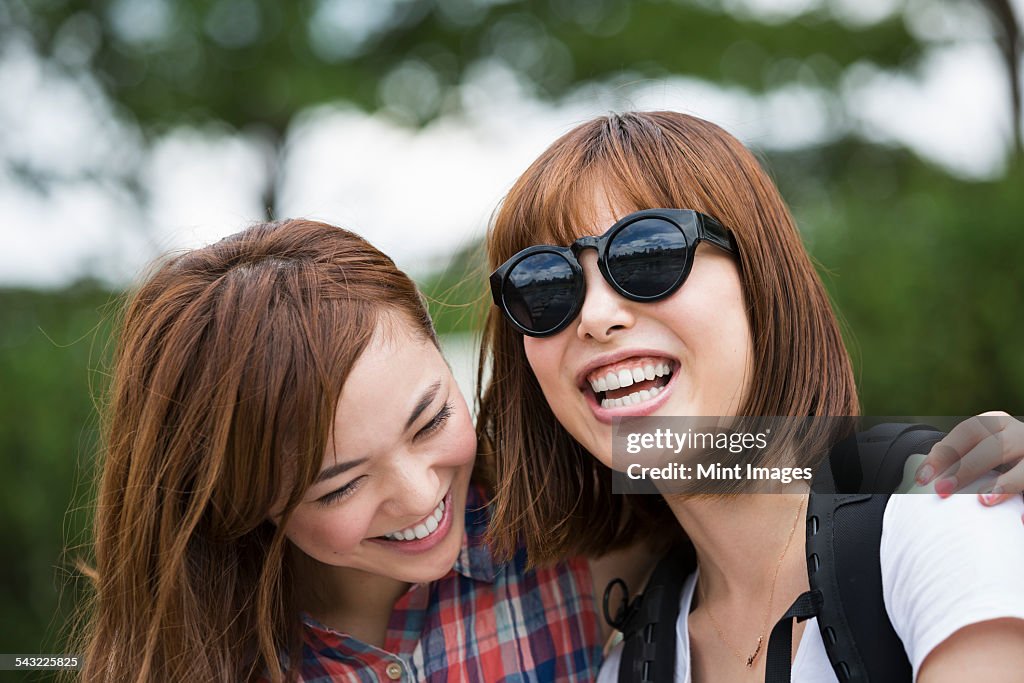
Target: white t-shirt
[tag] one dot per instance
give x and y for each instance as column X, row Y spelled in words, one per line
column 946, row 564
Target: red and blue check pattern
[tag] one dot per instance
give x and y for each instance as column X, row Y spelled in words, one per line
column 481, row 623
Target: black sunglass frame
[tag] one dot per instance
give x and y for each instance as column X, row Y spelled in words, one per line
column 696, row 227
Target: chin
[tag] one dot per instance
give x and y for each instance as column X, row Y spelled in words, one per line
column 433, row 570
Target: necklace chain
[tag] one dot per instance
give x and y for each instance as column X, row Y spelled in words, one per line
column 752, row 657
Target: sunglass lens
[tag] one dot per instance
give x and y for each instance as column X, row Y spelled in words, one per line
column 540, row 291
column 648, row 258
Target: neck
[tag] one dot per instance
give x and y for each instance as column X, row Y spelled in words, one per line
column 351, row 601
column 740, row 538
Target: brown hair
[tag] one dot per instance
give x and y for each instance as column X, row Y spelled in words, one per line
column 229, row 364
column 554, row 496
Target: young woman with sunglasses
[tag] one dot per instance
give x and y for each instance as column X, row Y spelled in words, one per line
column 288, row 487
column 700, row 300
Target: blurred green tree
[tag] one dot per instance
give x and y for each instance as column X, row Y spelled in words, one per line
column 254, row 64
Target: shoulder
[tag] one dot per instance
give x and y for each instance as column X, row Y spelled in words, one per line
column 557, row 594
column 947, row 564
column 478, row 518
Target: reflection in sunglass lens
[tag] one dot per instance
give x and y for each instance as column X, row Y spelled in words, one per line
column 540, row 291
column 647, row 258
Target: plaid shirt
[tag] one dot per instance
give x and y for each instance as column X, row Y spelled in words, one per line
column 480, row 623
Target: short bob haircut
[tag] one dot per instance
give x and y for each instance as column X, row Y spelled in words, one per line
column 551, row 494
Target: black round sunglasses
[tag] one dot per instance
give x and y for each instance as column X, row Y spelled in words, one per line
column 645, row 256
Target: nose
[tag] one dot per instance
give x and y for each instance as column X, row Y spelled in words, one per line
column 604, row 311
column 416, row 488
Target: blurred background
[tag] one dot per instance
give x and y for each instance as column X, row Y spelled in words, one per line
column 132, row 127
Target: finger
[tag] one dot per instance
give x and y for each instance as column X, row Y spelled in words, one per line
column 1006, row 486
column 960, row 440
column 1002, row 448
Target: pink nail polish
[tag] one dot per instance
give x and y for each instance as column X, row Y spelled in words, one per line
column 924, row 474
column 945, row 487
column 992, row 497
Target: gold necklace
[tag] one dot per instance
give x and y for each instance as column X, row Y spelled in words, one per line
column 771, row 596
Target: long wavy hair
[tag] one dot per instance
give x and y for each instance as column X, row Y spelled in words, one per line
column 229, row 362
column 551, row 493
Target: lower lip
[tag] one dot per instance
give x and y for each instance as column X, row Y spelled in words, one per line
column 427, row 542
column 606, row 415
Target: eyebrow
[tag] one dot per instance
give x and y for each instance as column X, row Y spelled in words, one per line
column 425, row 400
column 335, row 470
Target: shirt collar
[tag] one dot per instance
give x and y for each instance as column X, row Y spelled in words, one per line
column 474, row 560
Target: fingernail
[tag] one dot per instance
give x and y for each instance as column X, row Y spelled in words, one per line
column 945, row 487
column 924, row 474
column 993, row 496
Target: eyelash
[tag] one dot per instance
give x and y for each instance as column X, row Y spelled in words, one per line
column 436, row 423
column 344, row 492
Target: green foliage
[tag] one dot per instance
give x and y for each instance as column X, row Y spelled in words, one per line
column 52, row 351
column 258, row 62
column 927, row 272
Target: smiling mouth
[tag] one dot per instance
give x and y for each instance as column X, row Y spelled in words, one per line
column 631, row 382
column 422, row 529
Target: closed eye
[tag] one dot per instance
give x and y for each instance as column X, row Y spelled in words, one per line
column 341, row 493
column 436, row 422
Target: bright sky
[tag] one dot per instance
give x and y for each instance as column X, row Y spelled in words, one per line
column 420, row 195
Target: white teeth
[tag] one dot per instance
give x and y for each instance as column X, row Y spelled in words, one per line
column 633, row 399
column 422, row 530
column 627, row 376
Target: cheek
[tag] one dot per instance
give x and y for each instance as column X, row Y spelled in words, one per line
column 462, row 447
column 716, row 334
column 544, row 356
column 328, row 533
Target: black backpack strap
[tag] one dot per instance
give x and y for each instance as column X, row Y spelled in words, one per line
column 844, row 531
column 648, row 623
column 778, row 666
